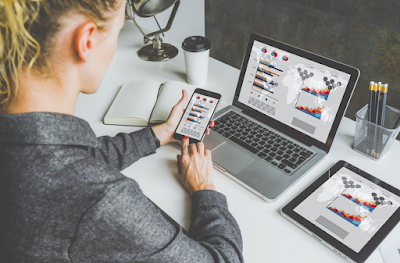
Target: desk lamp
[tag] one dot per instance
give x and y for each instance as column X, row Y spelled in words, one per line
column 157, row 51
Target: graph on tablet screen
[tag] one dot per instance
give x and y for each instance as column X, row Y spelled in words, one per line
column 349, row 208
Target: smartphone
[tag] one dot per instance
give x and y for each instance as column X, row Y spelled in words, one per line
column 197, row 116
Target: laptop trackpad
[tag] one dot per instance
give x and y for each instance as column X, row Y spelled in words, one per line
column 231, row 158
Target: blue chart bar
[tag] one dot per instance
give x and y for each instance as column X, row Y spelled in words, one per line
column 196, row 116
column 197, row 105
column 265, row 80
column 261, row 87
column 196, row 110
column 269, row 65
column 192, row 120
column 265, row 72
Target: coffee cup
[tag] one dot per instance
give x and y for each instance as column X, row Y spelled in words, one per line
column 196, row 50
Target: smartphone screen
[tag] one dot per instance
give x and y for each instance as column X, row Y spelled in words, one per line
column 197, row 116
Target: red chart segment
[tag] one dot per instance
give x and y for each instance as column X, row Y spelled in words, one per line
column 321, row 93
column 315, row 112
column 354, row 219
column 370, row 205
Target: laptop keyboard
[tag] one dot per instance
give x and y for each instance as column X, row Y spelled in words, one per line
column 286, row 155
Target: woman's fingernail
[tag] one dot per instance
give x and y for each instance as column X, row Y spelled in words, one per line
column 186, row 137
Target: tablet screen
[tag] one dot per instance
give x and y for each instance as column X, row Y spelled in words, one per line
column 349, row 207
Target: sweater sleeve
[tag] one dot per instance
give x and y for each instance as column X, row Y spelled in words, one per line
column 125, row 227
column 124, row 149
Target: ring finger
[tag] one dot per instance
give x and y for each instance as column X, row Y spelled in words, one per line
column 192, row 148
column 200, row 148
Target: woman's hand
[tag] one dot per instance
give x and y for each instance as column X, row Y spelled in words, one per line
column 195, row 167
column 165, row 131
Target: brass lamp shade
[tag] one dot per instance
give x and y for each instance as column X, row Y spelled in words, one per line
column 149, row 8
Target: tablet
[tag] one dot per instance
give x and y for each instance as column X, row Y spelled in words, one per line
column 348, row 210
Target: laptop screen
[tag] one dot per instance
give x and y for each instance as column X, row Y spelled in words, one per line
column 293, row 90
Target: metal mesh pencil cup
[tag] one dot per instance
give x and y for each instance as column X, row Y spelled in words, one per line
column 371, row 139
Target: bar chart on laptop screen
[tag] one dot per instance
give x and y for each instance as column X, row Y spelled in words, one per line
column 298, row 92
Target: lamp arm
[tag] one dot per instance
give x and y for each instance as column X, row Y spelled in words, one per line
column 169, row 24
column 129, row 13
column 140, row 29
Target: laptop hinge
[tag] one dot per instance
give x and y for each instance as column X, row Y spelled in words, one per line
column 288, row 133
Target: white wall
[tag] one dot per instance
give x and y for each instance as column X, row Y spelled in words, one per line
column 189, row 21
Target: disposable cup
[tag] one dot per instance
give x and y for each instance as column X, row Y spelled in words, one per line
column 196, row 50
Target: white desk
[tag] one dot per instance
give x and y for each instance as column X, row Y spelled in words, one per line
column 267, row 236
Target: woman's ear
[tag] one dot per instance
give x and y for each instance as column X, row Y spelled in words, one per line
column 86, row 40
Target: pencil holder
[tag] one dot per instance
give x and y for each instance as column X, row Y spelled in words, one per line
column 373, row 140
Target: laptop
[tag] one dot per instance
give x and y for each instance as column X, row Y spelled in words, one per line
column 284, row 116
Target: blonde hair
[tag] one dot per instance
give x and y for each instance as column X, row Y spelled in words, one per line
column 27, row 30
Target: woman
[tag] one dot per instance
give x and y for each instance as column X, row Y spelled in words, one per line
column 62, row 196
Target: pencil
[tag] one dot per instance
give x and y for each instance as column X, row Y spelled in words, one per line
column 370, row 106
column 377, row 91
column 374, row 102
column 377, row 97
column 382, row 114
column 371, row 98
column 382, row 111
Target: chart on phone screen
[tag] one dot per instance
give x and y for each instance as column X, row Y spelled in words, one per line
column 197, row 116
column 350, row 208
column 299, row 92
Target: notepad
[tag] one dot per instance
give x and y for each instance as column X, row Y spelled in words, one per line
column 145, row 103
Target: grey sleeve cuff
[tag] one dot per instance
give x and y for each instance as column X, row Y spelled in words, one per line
column 208, row 198
column 156, row 140
column 124, row 149
column 143, row 142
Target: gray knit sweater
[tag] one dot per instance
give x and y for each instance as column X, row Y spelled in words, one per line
column 63, row 199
